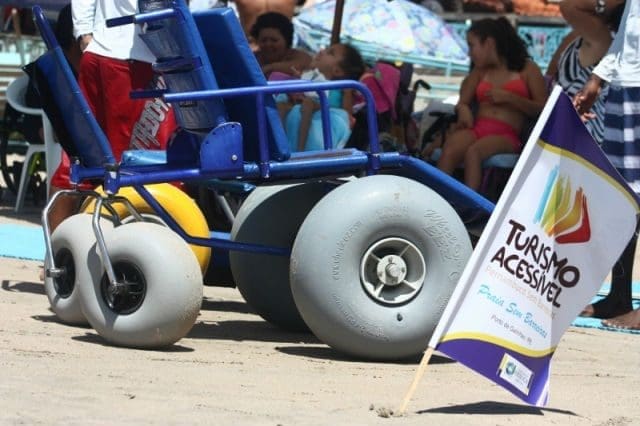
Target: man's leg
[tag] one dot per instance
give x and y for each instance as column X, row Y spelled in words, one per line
column 618, row 301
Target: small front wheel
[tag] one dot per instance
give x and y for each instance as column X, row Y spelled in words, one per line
column 71, row 243
column 158, row 293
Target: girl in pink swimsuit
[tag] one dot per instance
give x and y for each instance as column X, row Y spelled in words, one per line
column 505, row 87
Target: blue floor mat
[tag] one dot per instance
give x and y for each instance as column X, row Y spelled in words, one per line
column 22, row 242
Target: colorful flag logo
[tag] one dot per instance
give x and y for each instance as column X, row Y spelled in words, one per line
column 563, row 213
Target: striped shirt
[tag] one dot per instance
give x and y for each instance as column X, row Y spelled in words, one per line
column 572, row 76
column 622, row 133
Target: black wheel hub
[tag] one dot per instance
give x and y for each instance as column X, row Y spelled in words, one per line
column 127, row 296
column 65, row 282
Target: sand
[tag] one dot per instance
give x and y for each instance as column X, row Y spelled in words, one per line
column 234, row 368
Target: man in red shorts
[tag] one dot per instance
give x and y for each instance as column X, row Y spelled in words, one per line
column 114, row 62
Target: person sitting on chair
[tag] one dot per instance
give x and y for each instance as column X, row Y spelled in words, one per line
column 273, row 33
column 507, row 88
column 303, row 121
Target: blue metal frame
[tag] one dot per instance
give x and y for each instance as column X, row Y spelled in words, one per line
column 220, row 145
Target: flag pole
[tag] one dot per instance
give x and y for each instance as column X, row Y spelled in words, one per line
column 416, row 380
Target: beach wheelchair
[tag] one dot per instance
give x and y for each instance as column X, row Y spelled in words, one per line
column 363, row 248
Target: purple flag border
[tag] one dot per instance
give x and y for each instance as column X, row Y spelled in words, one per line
column 564, row 136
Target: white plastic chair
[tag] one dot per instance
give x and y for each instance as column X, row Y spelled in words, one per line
column 52, row 150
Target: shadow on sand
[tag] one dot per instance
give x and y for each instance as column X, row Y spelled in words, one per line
column 226, row 306
column 494, row 407
column 23, row 287
column 95, row 338
column 258, row 331
column 326, row 352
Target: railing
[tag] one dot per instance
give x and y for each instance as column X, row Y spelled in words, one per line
column 20, row 50
column 542, row 35
column 15, row 52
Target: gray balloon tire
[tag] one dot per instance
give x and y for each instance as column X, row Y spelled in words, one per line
column 173, row 294
column 271, row 215
column 327, row 253
column 74, row 234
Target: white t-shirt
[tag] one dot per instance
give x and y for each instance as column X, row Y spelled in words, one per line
column 197, row 5
column 621, row 65
column 122, row 42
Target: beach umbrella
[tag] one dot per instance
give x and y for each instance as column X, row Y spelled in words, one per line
column 397, row 30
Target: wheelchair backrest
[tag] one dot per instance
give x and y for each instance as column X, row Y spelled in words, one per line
column 235, row 65
column 182, row 61
column 70, row 115
column 209, row 51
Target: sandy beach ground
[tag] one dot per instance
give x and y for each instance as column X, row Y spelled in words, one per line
column 234, row 368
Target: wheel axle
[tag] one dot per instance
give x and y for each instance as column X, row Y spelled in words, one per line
column 392, row 270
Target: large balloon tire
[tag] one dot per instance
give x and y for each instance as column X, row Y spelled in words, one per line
column 348, row 237
column 271, row 216
column 71, row 242
column 166, row 293
column 182, row 208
